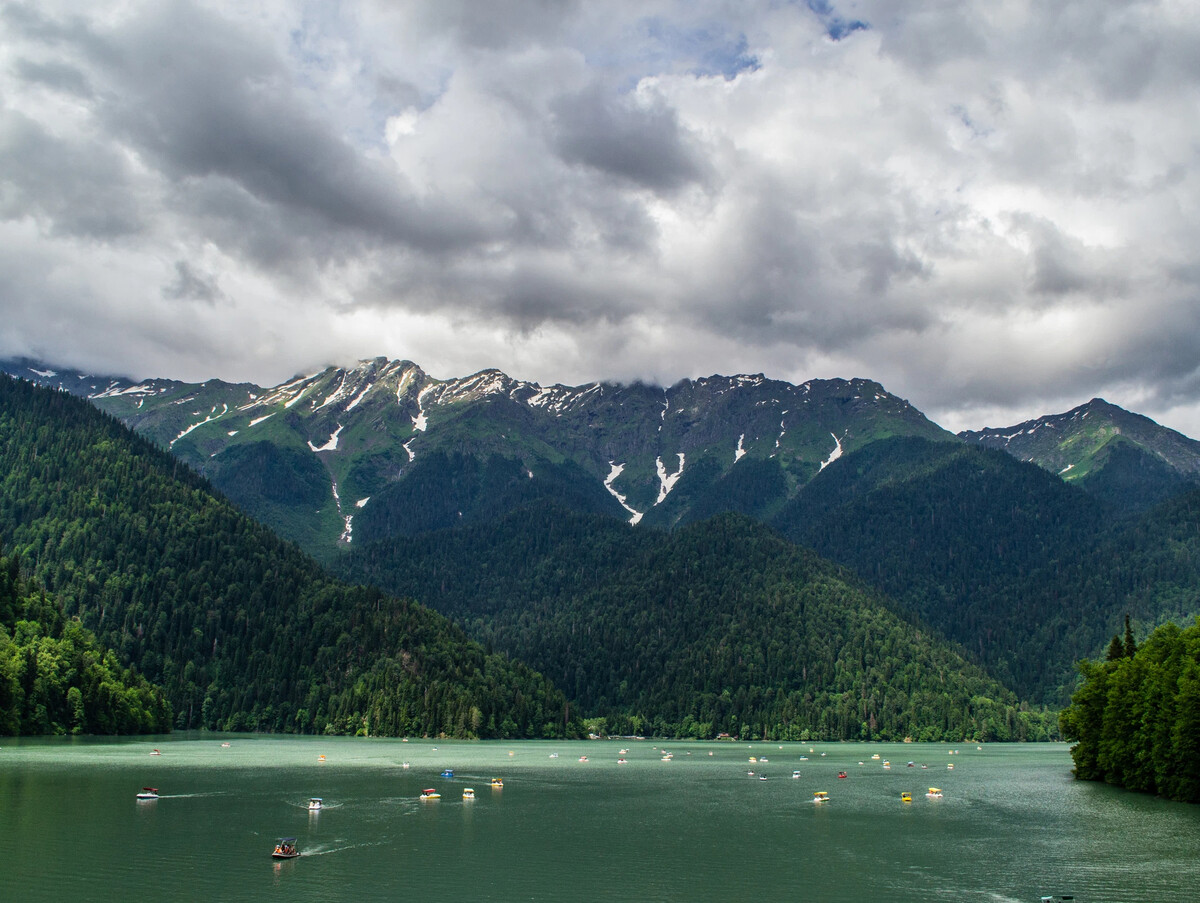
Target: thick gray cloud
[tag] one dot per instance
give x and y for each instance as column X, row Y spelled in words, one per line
column 993, row 209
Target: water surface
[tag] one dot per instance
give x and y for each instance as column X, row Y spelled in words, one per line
column 1012, row 824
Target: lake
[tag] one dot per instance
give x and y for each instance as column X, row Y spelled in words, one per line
column 1012, row 824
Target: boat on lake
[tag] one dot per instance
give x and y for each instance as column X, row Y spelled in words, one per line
column 285, row 849
column 468, row 793
column 155, row 752
column 820, row 797
column 429, row 793
column 448, row 772
column 906, row 797
column 315, row 803
column 934, row 793
column 497, row 784
column 795, row 774
column 841, row 774
column 148, row 793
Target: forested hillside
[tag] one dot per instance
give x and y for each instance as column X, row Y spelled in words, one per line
column 242, row 630
column 55, row 678
column 721, row 626
column 1028, row 573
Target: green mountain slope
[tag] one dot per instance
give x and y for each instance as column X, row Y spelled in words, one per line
column 721, row 626
column 1123, row 458
column 241, row 629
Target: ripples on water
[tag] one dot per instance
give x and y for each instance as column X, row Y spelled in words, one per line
column 1012, row 825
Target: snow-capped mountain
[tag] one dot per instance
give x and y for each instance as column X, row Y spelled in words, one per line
column 382, row 447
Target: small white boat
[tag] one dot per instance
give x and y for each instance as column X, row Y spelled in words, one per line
column 225, row 745
column 155, row 752
column 405, row 765
column 148, row 793
column 950, row 766
column 315, row 803
column 622, row 761
column 553, row 755
column 583, row 758
column 468, row 793
column 795, row 774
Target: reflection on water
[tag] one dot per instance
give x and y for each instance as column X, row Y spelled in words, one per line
column 686, row 824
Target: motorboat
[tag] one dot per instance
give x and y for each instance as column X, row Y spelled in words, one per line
column 315, row 804
column 622, row 761
column 430, row 793
column 906, row 797
column 820, row 797
column 155, row 752
column 583, row 758
column 468, row 793
column 225, row 745
column 285, row 849
column 497, row 784
column 795, row 774
column 148, row 793
column 934, row 793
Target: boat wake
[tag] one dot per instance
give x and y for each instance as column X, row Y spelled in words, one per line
column 190, row 796
column 324, row 850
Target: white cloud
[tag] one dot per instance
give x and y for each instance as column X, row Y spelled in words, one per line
column 990, row 207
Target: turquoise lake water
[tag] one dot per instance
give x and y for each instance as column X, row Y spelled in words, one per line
column 1012, row 824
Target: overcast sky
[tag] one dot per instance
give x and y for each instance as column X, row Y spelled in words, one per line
column 991, row 207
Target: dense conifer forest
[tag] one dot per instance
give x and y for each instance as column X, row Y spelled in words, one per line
column 55, row 678
column 1136, row 716
column 719, row 627
column 241, row 630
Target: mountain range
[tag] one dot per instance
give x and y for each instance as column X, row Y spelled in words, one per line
column 360, row 454
column 1024, row 546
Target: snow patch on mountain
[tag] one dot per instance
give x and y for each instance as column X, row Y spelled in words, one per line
column 257, row 420
column 332, row 444
column 666, row 480
column 359, row 397
column 608, row 484
column 833, row 455
column 408, row 448
column 740, row 451
column 209, row 419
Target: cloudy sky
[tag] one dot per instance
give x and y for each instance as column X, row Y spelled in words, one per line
column 990, row 206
